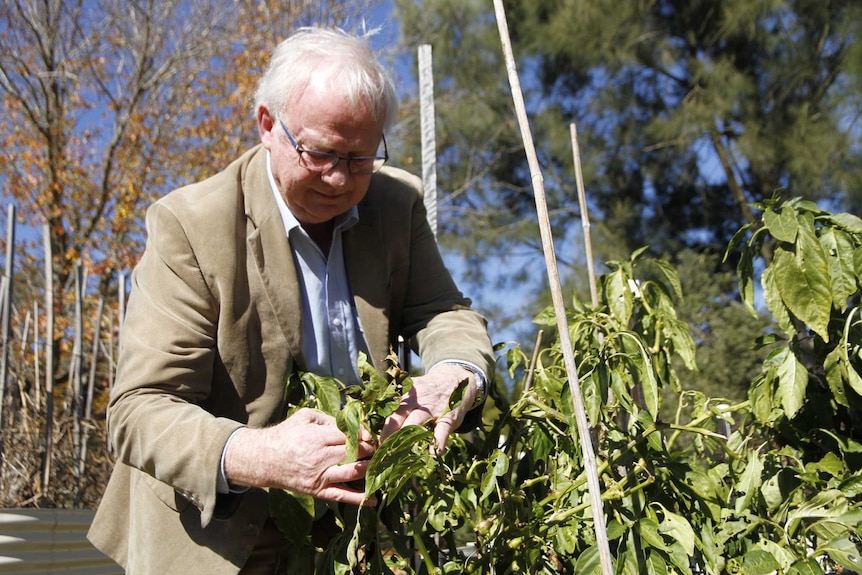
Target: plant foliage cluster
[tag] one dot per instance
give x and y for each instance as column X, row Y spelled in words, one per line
column 772, row 484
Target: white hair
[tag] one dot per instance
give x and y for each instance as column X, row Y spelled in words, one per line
column 344, row 59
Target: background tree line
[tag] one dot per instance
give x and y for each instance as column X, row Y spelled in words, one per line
column 687, row 112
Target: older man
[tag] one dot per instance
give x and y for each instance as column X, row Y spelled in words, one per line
column 302, row 253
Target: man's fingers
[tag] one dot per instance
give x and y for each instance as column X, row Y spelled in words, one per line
column 335, row 490
column 346, row 472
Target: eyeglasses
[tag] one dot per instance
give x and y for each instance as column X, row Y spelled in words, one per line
column 325, row 161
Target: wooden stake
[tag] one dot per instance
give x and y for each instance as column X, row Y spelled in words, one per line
column 49, row 358
column 585, row 216
column 427, row 127
column 583, row 425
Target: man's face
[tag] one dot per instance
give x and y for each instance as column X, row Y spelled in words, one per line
column 323, row 120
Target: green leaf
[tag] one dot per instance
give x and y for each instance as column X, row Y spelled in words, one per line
column 745, row 277
column 499, row 465
column 683, row 343
column 836, row 375
column 792, row 383
column 826, row 503
column 848, row 222
column 648, row 529
column 774, row 303
column 839, row 254
column 349, row 421
column 400, row 457
column 759, row 562
column 845, row 553
column 782, row 224
column 588, row 562
column 670, row 275
column 677, row 528
column 802, row 277
column 326, row 392
column 749, row 483
column 808, row 566
column 830, row 464
column 619, row 296
column 656, row 564
column 292, row 513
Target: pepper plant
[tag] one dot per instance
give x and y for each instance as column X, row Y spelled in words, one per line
column 769, row 485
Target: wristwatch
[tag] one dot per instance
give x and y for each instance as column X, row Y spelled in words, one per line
column 481, row 379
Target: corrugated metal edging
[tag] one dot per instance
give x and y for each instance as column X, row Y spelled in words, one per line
column 50, row 541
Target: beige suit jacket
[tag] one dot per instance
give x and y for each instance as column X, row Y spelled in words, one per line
column 212, row 332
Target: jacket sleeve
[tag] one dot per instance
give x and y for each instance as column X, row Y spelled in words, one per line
column 166, row 369
column 436, row 318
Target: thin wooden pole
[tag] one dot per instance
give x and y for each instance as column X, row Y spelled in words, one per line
column 585, row 216
column 583, row 425
column 7, row 313
column 49, row 358
column 75, row 373
column 88, row 404
column 37, row 395
column 427, row 128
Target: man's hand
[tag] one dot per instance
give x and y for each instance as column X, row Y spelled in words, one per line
column 429, row 399
column 304, row 453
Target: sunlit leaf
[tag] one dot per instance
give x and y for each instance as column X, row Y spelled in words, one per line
column 848, row 222
column 802, row 278
column 845, row 553
column 839, row 254
column 749, row 483
column 349, row 421
column 677, row 528
column 792, row 383
column 759, row 562
column 782, row 224
column 401, row 456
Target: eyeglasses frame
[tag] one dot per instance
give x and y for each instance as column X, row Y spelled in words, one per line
column 336, row 157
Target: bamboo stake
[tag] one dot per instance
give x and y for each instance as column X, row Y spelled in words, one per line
column 585, row 216
column 429, row 142
column 7, row 312
column 49, row 358
column 88, row 404
column 590, row 466
column 37, row 395
column 75, row 374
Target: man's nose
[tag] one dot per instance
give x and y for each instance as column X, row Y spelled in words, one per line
column 338, row 175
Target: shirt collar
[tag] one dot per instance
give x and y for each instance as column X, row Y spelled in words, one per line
column 342, row 221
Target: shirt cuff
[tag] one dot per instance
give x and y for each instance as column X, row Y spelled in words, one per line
column 222, row 485
column 481, row 378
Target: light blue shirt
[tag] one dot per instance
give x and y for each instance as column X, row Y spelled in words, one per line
column 331, row 333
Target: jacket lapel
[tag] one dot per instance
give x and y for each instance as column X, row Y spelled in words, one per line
column 365, row 259
column 267, row 244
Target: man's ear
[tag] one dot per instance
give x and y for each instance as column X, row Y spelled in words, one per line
column 266, row 124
